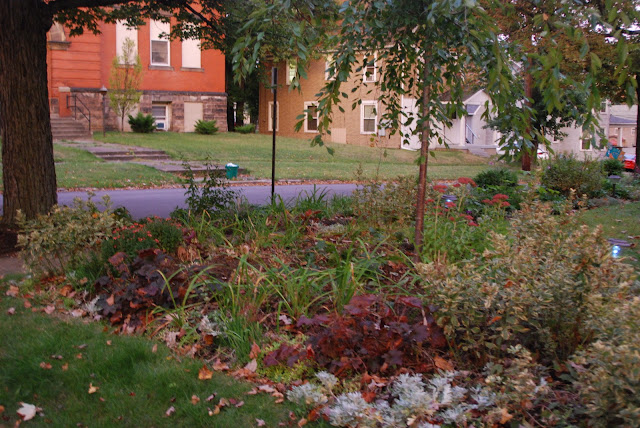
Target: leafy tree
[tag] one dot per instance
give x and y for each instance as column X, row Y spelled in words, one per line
column 125, row 81
column 425, row 49
column 28, row 172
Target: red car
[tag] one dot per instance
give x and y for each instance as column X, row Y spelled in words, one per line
column 630, row 162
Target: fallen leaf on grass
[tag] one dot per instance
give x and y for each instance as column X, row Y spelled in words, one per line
column 252, row 366
column 170, row 411
column 49, row 309
column 11, row 311
column 108, row 343
column 93, row 389
column 111, row 300
column 64, row 291
column 239, row 404
column 65, row 367
column 302, row 422
column 443, row 364
column 56, row 357
column 204, row 373
column 1, row 409
column 255, row 351
column 154, row 349
column 220, row 366
column 79, row 356
column 45, row 366
column 27, row 304
column 211, row 397
column 195, row 399
column 13, row 291
column 260, row 422
column 84, row 345
column 27, row 411
column 285, row 319
column 102, row 399
column 77, row 313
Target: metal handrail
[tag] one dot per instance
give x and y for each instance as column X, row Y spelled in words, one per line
column 473, row 135
column 82, row 109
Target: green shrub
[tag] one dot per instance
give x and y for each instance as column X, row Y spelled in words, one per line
column 129, row 239
column 608, row 371
column 534, row 287
column 206, row 127
column 612, row 167
column 389, row 205
column 64, row 239
column 565, row 173
column 142, row 123
column 211, row 194
column 249, row 128
column 496, row 177
column 168, row 234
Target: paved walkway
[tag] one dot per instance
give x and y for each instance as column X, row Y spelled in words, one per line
column 11, row 265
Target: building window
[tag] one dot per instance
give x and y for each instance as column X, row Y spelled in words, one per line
column 160, row 52
column 56, row 33
column 329, row 63
column 160, row 113
column 368, row 117
column 311, row 117
column 292, row 71
column 270, row 127
column 191, row 53
column 370, row 69
column 122, row 34
column 603, row 107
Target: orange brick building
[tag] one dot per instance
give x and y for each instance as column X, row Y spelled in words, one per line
column 181, row 83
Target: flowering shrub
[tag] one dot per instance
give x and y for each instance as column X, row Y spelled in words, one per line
column 65, row 238
column 534, row 287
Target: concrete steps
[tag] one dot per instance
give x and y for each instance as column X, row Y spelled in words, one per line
column 67, row 128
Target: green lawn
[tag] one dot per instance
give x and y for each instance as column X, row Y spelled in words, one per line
column 79, row 168
column 136, row 385
column 296, row 159
column 619, row 222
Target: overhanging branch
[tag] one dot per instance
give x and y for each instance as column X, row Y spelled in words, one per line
column 62, row 5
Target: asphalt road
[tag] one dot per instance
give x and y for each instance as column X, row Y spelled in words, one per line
column 160, row 202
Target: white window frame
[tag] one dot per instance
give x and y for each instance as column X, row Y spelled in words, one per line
column 306, row 117
column 291, row 70
column 362, row 118
column 270, row 116
column 167, row 114
column 329, row 61
column 123, row 32
column 155, row 29
column 372, row 77
column 193, row 47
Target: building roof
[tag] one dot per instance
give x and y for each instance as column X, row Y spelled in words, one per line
column 617, row 120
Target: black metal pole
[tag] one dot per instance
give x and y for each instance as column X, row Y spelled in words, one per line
column 274, row 125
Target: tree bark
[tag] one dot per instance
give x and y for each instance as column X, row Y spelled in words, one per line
column 528, row 93
column 28, row 174
column 424, row 161
column 637, row 168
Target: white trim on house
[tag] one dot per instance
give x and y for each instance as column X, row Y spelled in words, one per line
column 270, row 114
column 314, row 119
column 372, row 115
column 292, row 71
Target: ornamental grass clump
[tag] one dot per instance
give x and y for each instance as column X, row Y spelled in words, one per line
column 535, row 287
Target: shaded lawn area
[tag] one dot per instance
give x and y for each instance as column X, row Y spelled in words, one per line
column 79, row 168
column 296, row 159
column 136, row 385
column 619, row 222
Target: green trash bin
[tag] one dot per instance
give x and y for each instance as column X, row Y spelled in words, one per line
column 232, row 170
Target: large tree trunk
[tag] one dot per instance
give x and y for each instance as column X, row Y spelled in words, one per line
column 424, row 162
column 28, row 174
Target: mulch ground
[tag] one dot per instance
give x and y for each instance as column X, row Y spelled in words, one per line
column 8, row 241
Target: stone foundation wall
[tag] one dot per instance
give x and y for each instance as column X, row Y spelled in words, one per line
column 214, row 107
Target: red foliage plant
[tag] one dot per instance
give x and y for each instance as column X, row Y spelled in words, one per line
column 375, row 335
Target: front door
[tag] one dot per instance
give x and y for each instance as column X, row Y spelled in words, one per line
column 410, row 140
